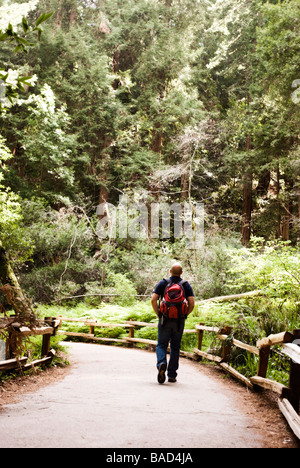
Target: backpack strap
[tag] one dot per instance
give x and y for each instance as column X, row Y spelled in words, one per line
column 182, row 283
column 168, row 282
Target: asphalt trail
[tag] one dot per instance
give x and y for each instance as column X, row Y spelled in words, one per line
column 111, row 399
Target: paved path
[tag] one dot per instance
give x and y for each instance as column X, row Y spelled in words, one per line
column 111, row 399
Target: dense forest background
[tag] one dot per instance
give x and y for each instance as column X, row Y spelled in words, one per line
column 192, row 101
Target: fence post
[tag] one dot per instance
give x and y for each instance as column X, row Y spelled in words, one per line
column 131, row 334
column 46, row 338
column 11, row 346
column 225, row 346
column 92, row 327
column 200, row 339
column 264, row 354
column 294, row 382
column 131, row 330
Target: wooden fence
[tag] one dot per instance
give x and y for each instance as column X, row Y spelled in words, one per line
column 46, row 329
column 131, row 325
column 289, row 397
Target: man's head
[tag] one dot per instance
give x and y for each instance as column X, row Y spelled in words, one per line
column 176, row 269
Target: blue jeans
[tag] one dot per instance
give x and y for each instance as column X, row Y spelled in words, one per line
column 170, row 332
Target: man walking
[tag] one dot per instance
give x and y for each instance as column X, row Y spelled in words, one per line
column 171, row 326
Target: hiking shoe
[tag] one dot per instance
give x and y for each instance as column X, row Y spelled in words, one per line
column 172, row 379
column 161, row 373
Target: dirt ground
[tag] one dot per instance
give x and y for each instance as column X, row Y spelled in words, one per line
column 11, row 391
column 261, row 408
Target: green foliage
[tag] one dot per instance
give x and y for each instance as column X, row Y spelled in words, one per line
column 11, row 35
column 278, row 44
column 9, row 202
column 48, row 149
column 273, row 268
column 123, row 286
column 11, row 16
column 12, row 235
column 62, row 242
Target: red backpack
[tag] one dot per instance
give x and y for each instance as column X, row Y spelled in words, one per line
column 174, row 304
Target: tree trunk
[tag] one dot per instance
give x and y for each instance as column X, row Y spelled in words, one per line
column 116, row 58
column 288, row 207
column 73, row 15
column 156, row 147
column 263, row 183
column 184, row 185
column 286, row 219
column 104, row 176
column 247, row 201
column 247, row 208
column 157, row 140
column 24, row 314
column 17, row 299
column 103, row 195
column 278, row 202
column 7, row 275
column 286, row 226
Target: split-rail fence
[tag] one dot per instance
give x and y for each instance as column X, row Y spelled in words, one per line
column 13, row 361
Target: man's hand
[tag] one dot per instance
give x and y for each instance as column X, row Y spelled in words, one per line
column 191, row 304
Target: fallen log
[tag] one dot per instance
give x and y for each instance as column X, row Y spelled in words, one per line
column 233, row 297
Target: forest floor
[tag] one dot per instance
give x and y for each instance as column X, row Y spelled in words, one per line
column 109, row 397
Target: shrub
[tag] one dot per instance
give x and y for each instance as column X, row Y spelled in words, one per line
column 124, row 288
